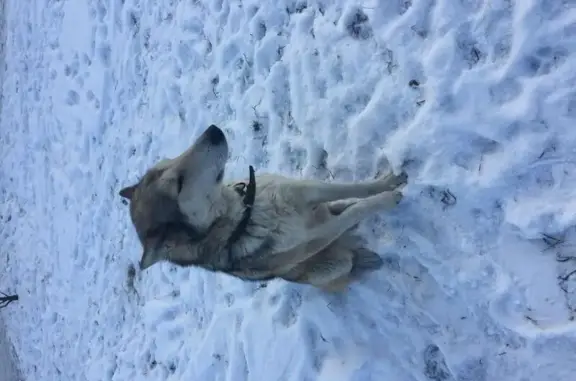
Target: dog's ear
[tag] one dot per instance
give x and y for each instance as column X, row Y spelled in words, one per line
column 128, row 192
column 165, row 249
column 149, row 257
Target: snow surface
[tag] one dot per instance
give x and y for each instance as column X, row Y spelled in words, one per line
column 476, row 99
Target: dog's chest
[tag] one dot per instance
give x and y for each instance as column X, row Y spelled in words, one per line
column 290, row 217
column 283, row 213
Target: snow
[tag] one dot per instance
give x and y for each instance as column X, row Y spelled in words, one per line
column 475, row 99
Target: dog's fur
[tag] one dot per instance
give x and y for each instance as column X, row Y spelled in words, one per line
column 298, row 230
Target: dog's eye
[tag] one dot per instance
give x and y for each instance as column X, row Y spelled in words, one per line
column 180, row 183
column 240, row 188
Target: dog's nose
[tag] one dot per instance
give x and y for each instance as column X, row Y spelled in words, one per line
column 215, row 135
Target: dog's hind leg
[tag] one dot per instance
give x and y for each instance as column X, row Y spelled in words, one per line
column 323, row 268
column 313, row 192
column 364, row 261
column 337, row 285
column 323, row 235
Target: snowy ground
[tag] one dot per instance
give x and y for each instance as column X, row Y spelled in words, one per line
column 8, row 359
column 477, row 99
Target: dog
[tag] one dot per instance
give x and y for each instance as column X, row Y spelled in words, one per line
column 267, row 227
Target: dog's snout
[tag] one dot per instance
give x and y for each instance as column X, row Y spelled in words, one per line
column 215, row 135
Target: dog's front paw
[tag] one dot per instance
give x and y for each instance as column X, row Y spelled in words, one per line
column 393, row 181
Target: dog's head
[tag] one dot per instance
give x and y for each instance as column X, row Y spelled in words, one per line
column 175, row 199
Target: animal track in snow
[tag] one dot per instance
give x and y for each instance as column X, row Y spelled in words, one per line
column 72, row 98
column 287, row 309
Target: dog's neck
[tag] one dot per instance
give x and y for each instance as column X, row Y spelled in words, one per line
column 248, row 193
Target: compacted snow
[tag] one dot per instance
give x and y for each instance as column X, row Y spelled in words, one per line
column 475, row 99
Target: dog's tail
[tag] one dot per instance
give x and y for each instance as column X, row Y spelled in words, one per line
column 364, row 261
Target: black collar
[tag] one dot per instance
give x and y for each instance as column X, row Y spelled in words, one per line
column 249, row 193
